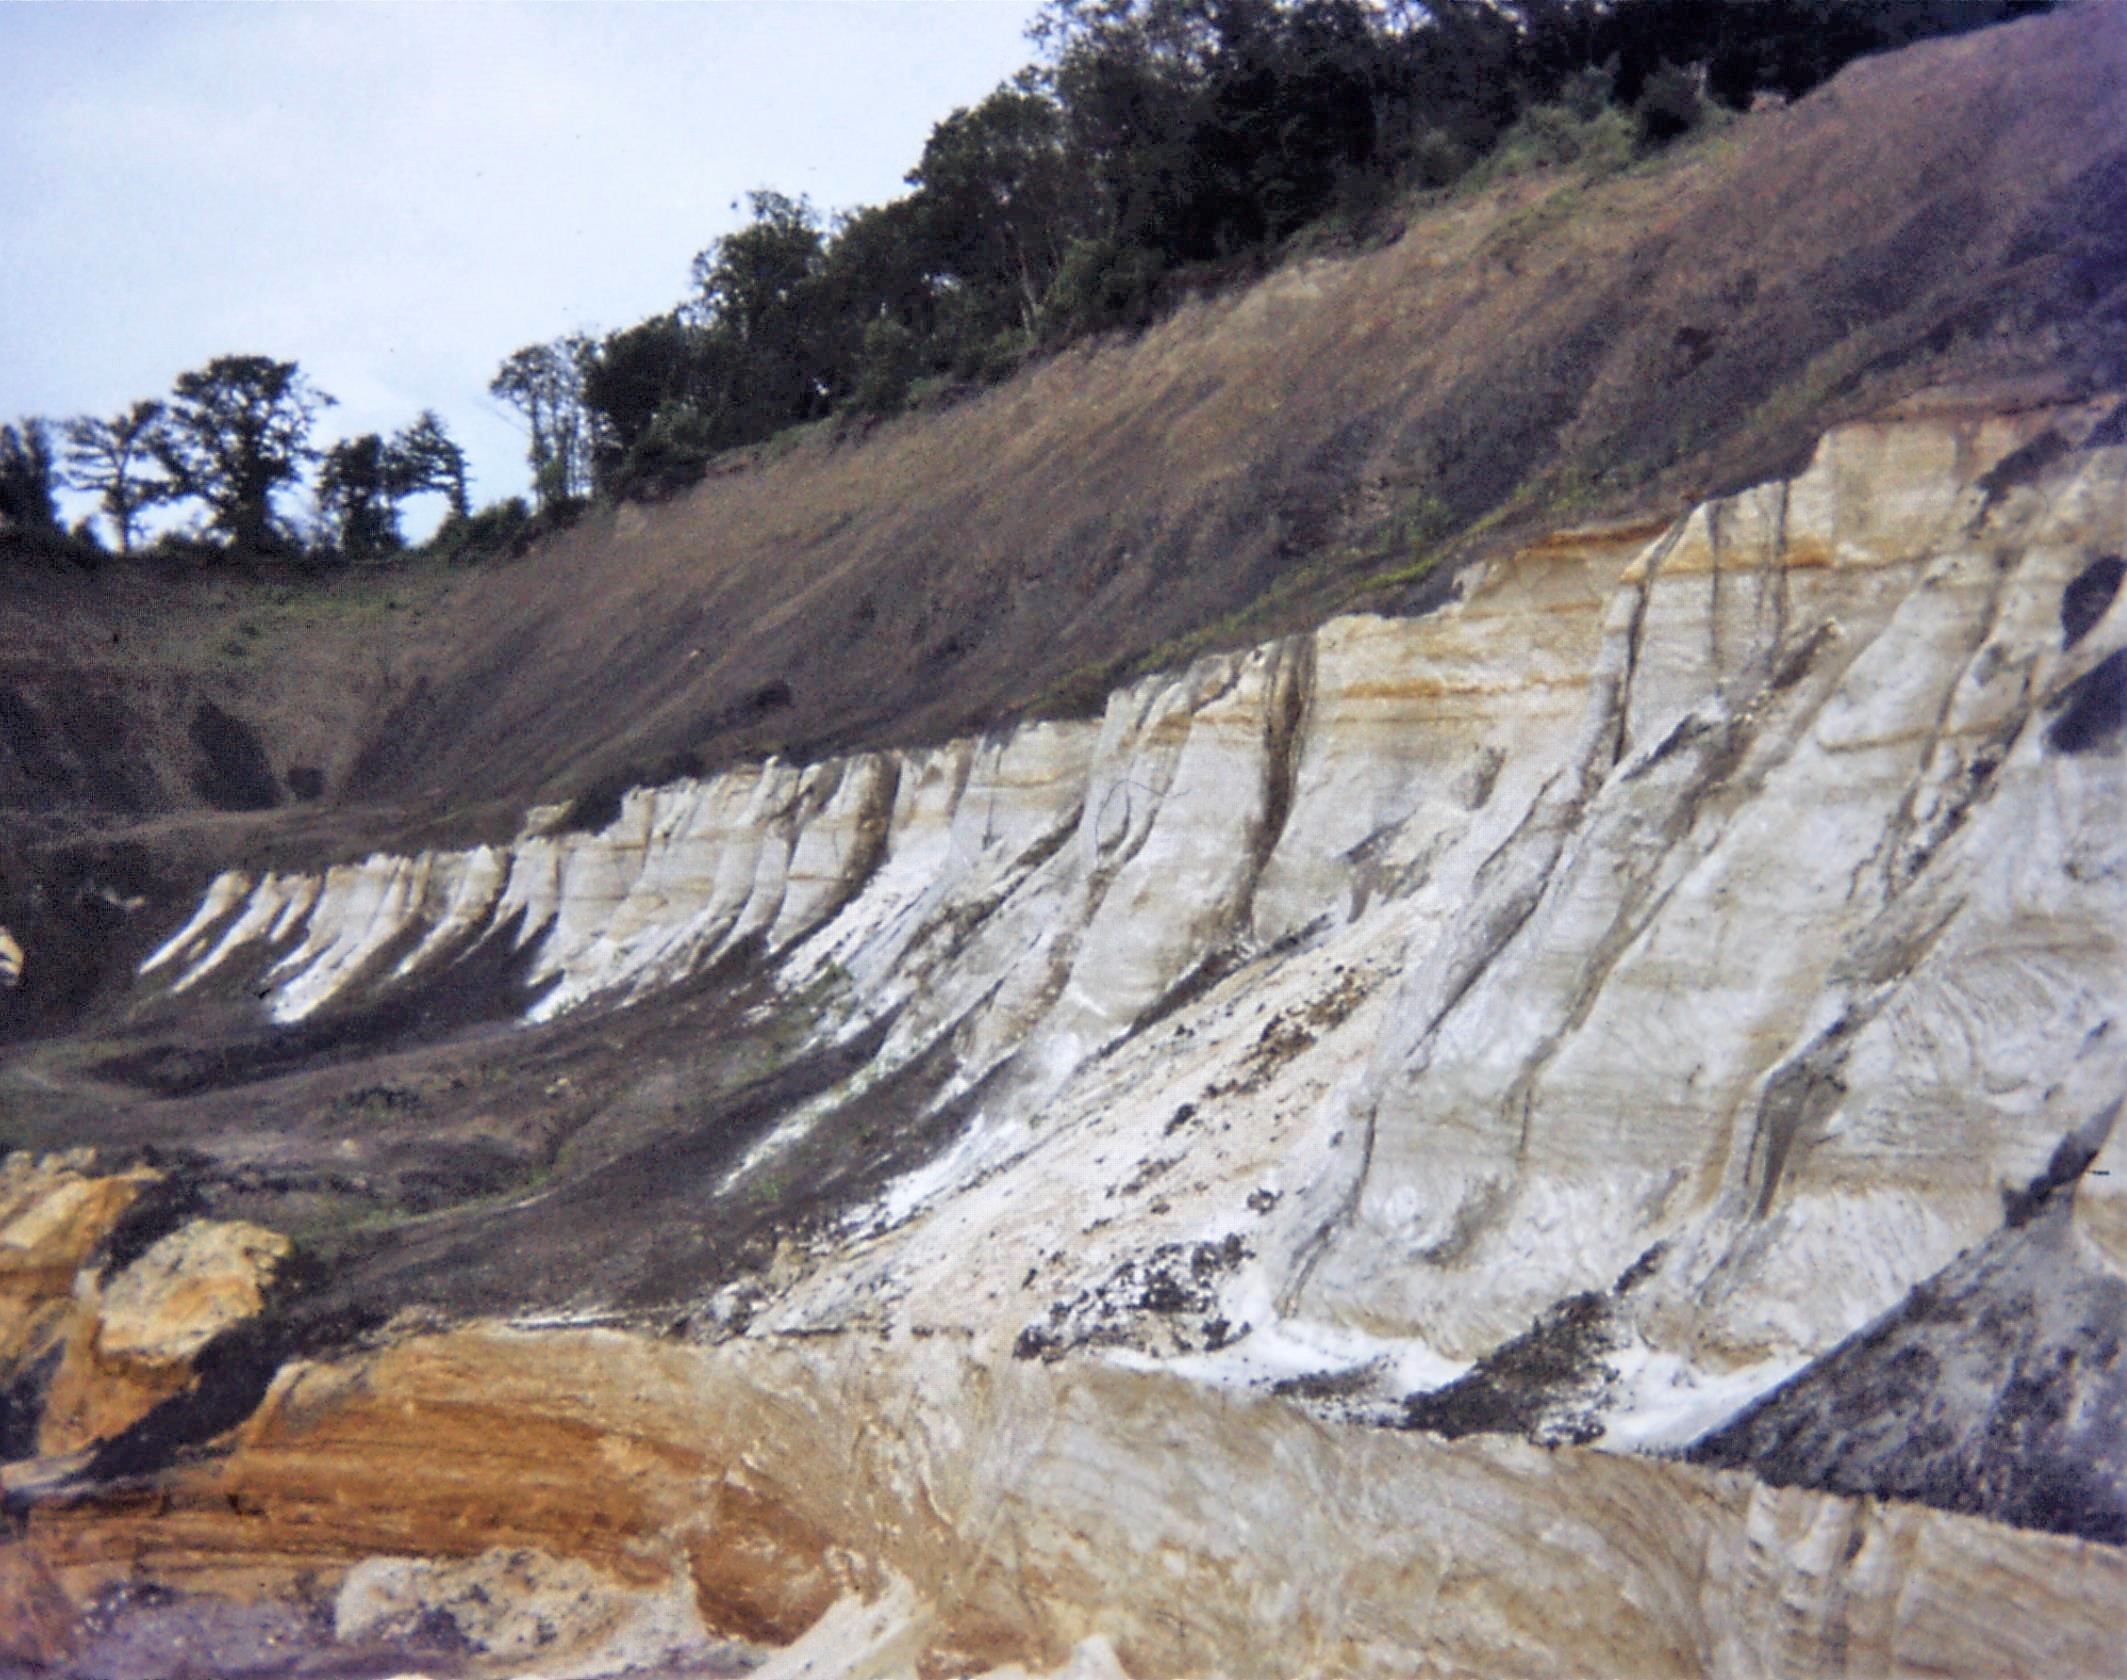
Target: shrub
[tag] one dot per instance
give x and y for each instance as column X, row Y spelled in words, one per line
column 1553, row 136
column 1003, row 355
column 885, row 365
column 1670, row 106
column 184, row 549
column 1438, row 160
column 671, row 454
column 48, row 546
column 498, row 528
column 933, row 390
column 1102, row 283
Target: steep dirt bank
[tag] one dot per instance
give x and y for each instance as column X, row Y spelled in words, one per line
column 1952, row 212
column 1666, row 1000
column 1521, row 355
column 1344, row 434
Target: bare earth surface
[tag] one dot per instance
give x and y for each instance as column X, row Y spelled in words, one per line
column 1422, row 975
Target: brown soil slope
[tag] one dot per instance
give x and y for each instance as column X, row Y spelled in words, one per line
column 1548, row 348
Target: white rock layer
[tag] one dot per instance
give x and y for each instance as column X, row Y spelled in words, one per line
column 1719, row 906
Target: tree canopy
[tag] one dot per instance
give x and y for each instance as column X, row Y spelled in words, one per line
column 544, row 383
column 231, row 437
column 116, row 460
column 1151, row 148
column 426, row 459
column 238, row 431
column 1158, row 144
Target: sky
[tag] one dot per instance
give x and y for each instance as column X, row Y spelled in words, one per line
column 397, row 196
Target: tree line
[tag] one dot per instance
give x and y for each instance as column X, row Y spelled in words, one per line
column 229, row 440
column 1154, row 147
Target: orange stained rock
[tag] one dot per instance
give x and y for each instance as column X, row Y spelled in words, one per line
column 761, row 1572
column 132, row 1340
column 92, row 1399
column 53, row 1213
column 449, row 1450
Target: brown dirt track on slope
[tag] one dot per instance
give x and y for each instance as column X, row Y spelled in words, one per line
column 1547, row 350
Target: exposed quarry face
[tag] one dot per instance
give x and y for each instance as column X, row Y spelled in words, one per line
column 1664, row 1006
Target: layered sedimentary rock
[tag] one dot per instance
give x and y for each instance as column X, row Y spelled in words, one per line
column 55, row 1213
column 96, row 1330
column 1590, row 1012
column 714, row 1499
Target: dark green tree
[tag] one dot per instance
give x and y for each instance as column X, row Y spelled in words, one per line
column 544, row 383
column 1211, row 126
column 749, row 281
column 1127, row 74
column 359, row 488
column 235, row 433
column 878, row 267
column 765, row 366
column 116, row 460
column 428, row 460
column 1001, row 199
column 29, row 477
column 633, row 375
column 886, row 365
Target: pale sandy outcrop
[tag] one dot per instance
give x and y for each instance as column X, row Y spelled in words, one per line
column 966, row 1515
column 138, row 1330
column 1664, row 959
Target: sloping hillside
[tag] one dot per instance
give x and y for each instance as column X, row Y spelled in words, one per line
column 1666, row 999
column 976, row 1046
column 1546, row 350
column 1517, row 356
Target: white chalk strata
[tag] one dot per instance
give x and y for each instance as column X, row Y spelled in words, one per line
column 1726, row 905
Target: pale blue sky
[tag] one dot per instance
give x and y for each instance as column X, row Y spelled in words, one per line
column 397, row 196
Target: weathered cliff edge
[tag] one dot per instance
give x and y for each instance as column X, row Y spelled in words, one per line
column 1689, row 961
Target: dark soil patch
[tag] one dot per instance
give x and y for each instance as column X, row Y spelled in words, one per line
column 22, row 1406
column 23, row 734
column 2089, row 597
column 1177, row 1283
column 233, row 772
column 1526, row 1386
column 1997, row 1388
column 82, row 914
column 484, row 984
column 1327, row 1385
column 2023, row 465
column 2093, row 708
column 642, row 1212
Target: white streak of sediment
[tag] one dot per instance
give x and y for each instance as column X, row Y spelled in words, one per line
column 468, row 883
column 532, row 889
column 375, row 909
column 263, row 911
column 297, row 905
column 222, row 896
